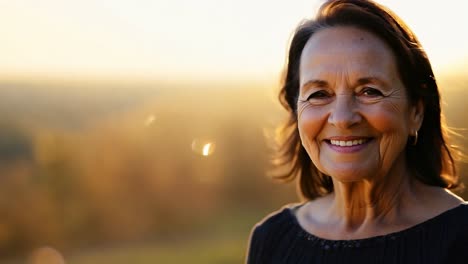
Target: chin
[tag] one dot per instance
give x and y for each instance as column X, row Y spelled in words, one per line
column 349, row 175
column 348, row 178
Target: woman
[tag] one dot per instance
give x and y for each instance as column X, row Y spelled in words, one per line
column 366, row 141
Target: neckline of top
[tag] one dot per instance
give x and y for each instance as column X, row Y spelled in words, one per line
column 327, row 243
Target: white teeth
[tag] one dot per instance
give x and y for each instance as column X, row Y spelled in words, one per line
column 348, row 143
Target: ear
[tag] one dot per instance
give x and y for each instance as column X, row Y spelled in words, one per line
column 416, row 116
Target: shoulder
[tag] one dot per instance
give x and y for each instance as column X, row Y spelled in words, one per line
column 453, row 224
column 460, row 217
column 444, row 202
column 433, row 202
column 275, row 221
column 458, row 224
column 269, row 233
column 277, row 216
column 457, row 218
column 463, row 209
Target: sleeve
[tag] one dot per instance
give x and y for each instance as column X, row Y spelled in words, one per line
column 255, row 247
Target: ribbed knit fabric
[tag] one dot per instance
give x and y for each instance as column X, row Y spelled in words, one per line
column 280, row 239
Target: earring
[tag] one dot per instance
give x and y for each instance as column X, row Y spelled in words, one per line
column 415, row 138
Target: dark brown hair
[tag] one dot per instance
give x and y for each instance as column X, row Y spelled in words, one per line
column 431, row 159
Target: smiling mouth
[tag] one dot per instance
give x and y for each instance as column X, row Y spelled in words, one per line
column 348, row 143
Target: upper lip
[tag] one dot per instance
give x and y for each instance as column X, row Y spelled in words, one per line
column 346, row 138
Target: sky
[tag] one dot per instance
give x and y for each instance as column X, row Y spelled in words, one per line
column 185, row 40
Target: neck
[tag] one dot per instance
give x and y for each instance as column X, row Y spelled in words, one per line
column 368, row 203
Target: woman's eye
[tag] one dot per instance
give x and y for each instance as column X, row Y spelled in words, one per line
column 371, row 92
column 318, row 95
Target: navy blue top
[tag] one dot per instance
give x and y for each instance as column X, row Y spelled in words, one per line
column 280, row 239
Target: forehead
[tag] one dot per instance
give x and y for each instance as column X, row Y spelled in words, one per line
column 346, row 48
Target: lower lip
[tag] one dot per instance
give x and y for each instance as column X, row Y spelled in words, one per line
column 348, row 149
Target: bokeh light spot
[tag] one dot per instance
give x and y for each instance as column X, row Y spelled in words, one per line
column 206, row 149
column 150, row 120
column 203, row 147
column 46, row 255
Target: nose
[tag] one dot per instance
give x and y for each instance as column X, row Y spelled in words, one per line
column 344, row 113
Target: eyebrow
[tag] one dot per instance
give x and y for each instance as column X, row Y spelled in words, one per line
column 360, row 81
column 367, row 80
column 317, row 83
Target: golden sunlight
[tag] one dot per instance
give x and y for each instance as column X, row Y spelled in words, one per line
column 440, row 26
column 179, row 39
column 133, row 131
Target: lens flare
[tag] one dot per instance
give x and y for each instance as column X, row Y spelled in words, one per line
column 206, row 149
column 203, row 147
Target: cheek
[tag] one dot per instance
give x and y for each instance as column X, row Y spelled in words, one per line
column 391, row 122
column 310, row 124
column 390, row 119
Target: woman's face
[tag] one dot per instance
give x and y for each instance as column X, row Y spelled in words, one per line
column 354, row 116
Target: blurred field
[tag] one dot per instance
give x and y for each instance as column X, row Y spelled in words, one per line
column 224, row 242
column 154, row 172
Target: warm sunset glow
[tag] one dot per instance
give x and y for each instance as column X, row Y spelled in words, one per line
column 178, row 39
column 130, row 130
